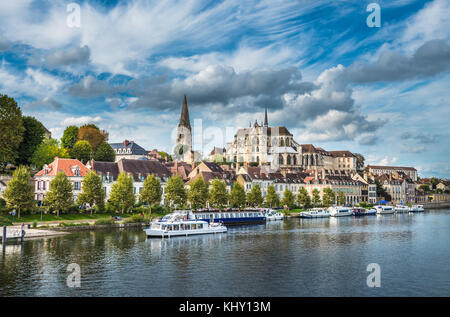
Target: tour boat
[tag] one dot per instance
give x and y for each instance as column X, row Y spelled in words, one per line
column 182, row 223
column 359, row 211
column 271, row 214
column 315, row 213
column 417, row 208
column 384, row 210
column 231, row 217
column 402, row 208
column 339, row 211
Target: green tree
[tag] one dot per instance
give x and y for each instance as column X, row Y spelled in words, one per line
column 272, row 198
column 11, row 130
column 288, row 199
column 122, row 193
column 316, row 201
column 70, row 137
column 105, row 153
column 359, row 161
column 329, row 197
column 92, row 191
column 176, row 194
column 46, row 153
column 19, row 191
column 82, row 151
column 32, row 137
column 254, row 197
column 92, row 134
column 60, row 196
column 151, row 192
column 218, row 196
column 341, row 198
column 425, row 188
column 198, row 193
column 303, row 198
column 237, row 196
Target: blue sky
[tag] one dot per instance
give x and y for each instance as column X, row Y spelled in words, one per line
column 316, row 65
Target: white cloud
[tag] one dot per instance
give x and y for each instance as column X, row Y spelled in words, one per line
column 80, row 120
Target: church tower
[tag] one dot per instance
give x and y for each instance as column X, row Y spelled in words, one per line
column 266, row 122
column 183, row 147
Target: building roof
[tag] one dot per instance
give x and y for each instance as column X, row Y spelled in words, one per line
column 391, row 167
column 341, row 153
column 137, row 168
column 135, row 149
column 184, row 117
column 68, row 166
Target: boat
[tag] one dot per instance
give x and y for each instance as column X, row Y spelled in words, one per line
column 384, row 210
column 360, row 211
column 182, row 224
column 315, row 213
column 339, row 211
column 271, row 214
column 417, row 208
column 402, row 208
column 231, row 216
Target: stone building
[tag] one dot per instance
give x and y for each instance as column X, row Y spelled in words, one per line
column 411, row 172
column 128, row 150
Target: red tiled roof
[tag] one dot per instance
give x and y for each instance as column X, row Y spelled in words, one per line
column 65, row 165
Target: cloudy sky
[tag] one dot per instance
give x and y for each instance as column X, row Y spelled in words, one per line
column 316, row 66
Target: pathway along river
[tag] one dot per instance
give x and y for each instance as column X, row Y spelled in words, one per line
column 297, row 257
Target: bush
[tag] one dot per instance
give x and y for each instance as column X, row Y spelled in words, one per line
column 34, row 224
column 135, row 218
column 158, row 209
column 105, row 221
column 5, row 221
column 2, row 204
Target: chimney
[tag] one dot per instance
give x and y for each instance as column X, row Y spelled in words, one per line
column 125, row 143
column 176, row 167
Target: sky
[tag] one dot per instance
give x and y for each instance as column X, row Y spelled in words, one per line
column 317, row 67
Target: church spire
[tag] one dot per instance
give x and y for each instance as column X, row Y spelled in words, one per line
column 266, row 122
column 184, row 118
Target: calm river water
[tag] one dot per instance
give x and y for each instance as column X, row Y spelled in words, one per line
column 297, row 257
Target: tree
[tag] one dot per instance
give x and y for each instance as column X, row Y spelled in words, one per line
column 175, row 192
column 316, row 201
column 122, row 193
column 11, row 130
column 105, row 153
column 329, row 197
column 46, row 153
column 92, row 191
column 218, row 196
column 434, row 181
column 341, row 198
column 237, row 196
column 92, row 134
column 70, row 137
column 60, row 196
column 19, row 191
column 303, row 198
column 254, row 197
column 288, row 199
column 151, row 192
column 272, row 198
column 198, row 193
column 425, row 188
column 82, row 151
column 32, row 137
column 359, row 161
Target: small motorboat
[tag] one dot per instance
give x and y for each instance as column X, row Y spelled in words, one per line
column 315, row 213
column 339, row 211
column 359, row 211
column 273, row 215
column 384, row 210
column 417, row 208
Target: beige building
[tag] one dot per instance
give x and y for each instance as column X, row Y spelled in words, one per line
column 378, row 170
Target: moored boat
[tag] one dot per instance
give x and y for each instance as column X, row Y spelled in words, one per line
column 339, row 211
column 161, row 229
column 271, row 215
column 402, row 208
column 417, row 208
column 315, row 213
column 231, row 216
column 359, row 211
column 384, row 210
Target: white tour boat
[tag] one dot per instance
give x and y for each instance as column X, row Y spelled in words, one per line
column 315, row 213
column 339, row 211
column 417, row 208
column 359, row 211
column 402, row 208
column 384, row 210
column 273, row 215
column 181, row 223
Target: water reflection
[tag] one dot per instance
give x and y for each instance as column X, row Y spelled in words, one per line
column 295, row 257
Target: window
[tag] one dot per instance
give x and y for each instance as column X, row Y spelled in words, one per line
column 76, row 186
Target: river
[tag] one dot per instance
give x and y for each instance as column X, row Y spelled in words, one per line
column 295, row 257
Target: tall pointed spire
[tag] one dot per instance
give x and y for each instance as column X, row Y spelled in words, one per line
column 184, row 118
column 266, row 122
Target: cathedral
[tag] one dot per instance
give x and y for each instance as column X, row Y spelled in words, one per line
column 183, row 147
